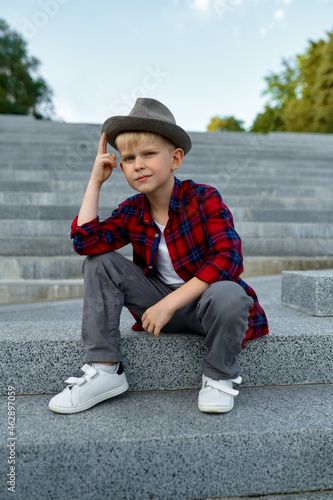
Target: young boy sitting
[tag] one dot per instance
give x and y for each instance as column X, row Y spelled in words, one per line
column 187, row 260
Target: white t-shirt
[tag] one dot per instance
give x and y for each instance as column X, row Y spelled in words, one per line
column 164, row 267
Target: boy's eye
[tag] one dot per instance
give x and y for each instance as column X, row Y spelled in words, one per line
column 129, row 158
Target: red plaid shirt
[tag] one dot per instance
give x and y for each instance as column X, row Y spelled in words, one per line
column 200, row 237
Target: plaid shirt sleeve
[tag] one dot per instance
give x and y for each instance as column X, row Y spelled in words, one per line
column 225, row 248
column 96, row 237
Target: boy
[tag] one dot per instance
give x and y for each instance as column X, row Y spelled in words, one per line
column 184, row 276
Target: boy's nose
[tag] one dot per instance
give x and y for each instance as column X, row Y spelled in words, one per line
column 139, row 163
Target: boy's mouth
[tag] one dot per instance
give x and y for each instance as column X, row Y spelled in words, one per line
column 143, row 178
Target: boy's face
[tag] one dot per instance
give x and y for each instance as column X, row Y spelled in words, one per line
column 149, row 166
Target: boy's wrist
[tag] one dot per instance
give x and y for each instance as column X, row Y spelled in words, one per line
column 170, row 303
column 185, row 294
column 95, row 184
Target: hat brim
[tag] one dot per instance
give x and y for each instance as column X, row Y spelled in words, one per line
column 116, row 124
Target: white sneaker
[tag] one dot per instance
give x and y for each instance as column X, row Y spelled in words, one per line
column 83, row 393
column 217, row 396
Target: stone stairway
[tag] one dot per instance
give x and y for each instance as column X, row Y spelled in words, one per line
column 278, row 186
column 153, row 442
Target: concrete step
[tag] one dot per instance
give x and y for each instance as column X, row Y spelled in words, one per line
column 246, row 179
column 36, row 246
column 262, row 230
column 268, row 230
column 35, row 186
column 40, row 268
column 28, row 170
column 245, row 201
column 269, row 247
column 69, row 267
column 24, row 228
column 265, row 266
column 71, row 131
column 247, row 154
column 15, row 198
column 33, row 290
column 77, row 152
column 280, row 215
column 241, row 176
column 47, row 246
column 62, row 162
column 159, row 445
column 297, row 350
column 282, row 202
column 225, row 185
column 75, row 134
column 33, row 279
column 11, row 131
column 241, row 214
column 220, row 184
column 237, row 141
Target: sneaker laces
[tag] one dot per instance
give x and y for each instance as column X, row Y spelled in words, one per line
column 90, row 373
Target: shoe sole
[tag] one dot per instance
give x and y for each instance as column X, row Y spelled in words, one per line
column 91, row 402
column 215, row 409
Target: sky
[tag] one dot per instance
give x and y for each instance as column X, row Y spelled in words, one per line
column 201, row 58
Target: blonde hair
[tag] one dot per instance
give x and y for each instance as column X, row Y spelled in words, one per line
column 132, row 139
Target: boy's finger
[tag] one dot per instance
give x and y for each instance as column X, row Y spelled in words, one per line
column 157, row 332
column 107, row 156
column 102, row 144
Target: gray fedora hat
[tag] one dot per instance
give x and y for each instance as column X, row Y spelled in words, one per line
column 148, row 115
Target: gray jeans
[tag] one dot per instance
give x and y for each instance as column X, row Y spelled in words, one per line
column 111, row 281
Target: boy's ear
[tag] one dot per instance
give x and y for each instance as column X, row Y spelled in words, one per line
column 177, row 158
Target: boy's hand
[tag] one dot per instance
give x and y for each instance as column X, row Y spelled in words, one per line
column 156, row 317
column 104, row 163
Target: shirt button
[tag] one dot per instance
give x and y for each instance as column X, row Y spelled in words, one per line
column 156, row 235
column 150, row 267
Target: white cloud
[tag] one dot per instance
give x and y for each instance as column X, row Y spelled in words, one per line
column 201, row 5
column 222, row 7
column 263, row 31
column 279, row 14
column 287, row 1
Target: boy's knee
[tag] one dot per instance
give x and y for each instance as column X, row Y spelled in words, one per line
column 226, row 298
column 94, row 262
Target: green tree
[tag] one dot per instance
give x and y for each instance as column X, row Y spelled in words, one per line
column 225, row 123
column 299, row 114
column 323, row 90
column 301, row 95
column 282, row 89
column 268, row 121
column 22, row 91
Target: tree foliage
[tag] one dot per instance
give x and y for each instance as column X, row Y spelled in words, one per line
column 22, row 91
column 268, row 121
column 301, row 95
column 225, row 123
